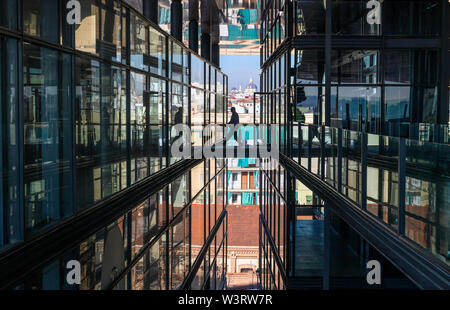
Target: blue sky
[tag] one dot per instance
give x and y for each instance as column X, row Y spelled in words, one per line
column 240, row 68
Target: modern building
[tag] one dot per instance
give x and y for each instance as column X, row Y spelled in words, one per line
column 94, row 191
column 86, row 175
column 360, row 92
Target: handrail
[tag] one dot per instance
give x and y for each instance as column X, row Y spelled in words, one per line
column 276, row 255
column 420, row 266
column 186, row 285
column 150, row 244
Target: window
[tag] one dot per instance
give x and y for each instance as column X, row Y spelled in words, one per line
column 411, row 17
column 87, row 33
column 47, row 136
column 8, row 13
column 157, row 52
column 40, row 18
column 235, row 177
column 177, row 62
column 355, row 66
column 110, row 44
column 138, row 43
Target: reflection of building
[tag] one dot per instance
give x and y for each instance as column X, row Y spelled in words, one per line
column 246, row 104
column 241, row 34
column 243, row 182
column 364, row 134
column 242, row 251
column 243, row 210
column 85, row 170
column 251, row 88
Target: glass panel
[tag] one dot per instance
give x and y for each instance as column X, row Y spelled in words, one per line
column 87, row 33
column 176, row 72
column 356, row 17
column 10, row 214
column 157, row 52
column 310, row 67
column 40, row 18
column 179, row 251
column 397, row 67
column 110, row 42
column 354, row 66
column 47, row 136
column 427, row 196
column 179, row 191
column 197, row 72
column 411, row 17
column 309, row 100
column 8, row 13
column 138, row 43
column 310, row 17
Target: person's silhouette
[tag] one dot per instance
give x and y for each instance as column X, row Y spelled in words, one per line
column 235, row 121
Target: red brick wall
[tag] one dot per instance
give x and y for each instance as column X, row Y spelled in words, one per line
column 198, row 222
column 243, row 225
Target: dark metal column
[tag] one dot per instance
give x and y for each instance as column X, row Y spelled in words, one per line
column 215, row 57
column 150, row 9
column 206, row 46
column 327, row 110
column 176, row 19
column 339, row 156
column 364, row 170
column 193, row 25
column 290, row 19
column 326, row 249
column 445, row 64
column 401, row 185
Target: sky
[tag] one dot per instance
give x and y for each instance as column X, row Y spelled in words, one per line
column 240, row 68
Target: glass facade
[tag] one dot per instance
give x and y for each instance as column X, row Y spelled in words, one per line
column 362, row 107
column 89, row 116
column 151, row 247
column 86, row 115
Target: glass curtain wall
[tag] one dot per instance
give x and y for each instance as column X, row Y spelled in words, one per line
column 97, row 107
column 152, row 247
column 372, row 100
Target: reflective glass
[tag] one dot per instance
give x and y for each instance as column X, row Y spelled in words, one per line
column 87, row 32
column 11, row 229
column 416, row 17
column 157, row 52
column 47, row 136
column 310, row 17
column 352, row 17
column 40, row 18
column 8, row 13
column 138, row 43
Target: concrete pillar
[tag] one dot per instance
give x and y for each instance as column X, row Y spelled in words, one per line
column 150, row 8
column 206, row 46
column 176, row 19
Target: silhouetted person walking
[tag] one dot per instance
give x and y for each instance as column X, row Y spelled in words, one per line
column 178, row 119
column 235, row 121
